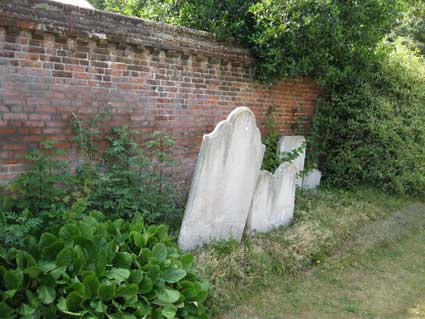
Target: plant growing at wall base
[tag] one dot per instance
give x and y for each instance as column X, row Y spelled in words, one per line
column 97, row 268
column 131, row 178
column 46, row 182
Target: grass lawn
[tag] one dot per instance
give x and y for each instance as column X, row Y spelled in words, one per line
column 379, row 274
column 249, row 276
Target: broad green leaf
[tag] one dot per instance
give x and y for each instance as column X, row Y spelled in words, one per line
column 13, row 279
column 153, row 272
column 128, row 291
column 168, row 295
column 9, row 294
column 107, row 291
column 33, row 272
column 47, row 239
column 118, row 275
column 46, row 294
column 86, row 231
column 52, row 250
column 74, row 301
column 64, row 258
column 187, row 261
column 26, row 310
column 25, row 260
column 136, row 276
column 69, row 231
column 101, row 263
column 138, row 239
column 6, row 312
column 98, row 306
column 169, row 312
column 159, row 252
column 146, row 285
column 77, row 286
column 173, row 275
column 91, row 283
column 122, row 260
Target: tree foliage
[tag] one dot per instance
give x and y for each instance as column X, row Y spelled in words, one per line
column 320, row 38
column 371, row 130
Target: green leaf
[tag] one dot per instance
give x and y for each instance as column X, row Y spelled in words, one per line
column 187, row 261
column 128, row 291
column 64, row 258
column 91, row 283
column 9, row 294
column 25, row 310
column 122, row 260
column 159, row 252
column 6, row 312
column 138, row 239
column 168, row 295
column 169, row 312
column 47, row 239
column 146, row 285
column 86, row 231
column 69, row 231
column 136, row 276
column 25, row 260
column 74, row 301
column 13, row 279
column 173, row 275
column 46, row 294
column 118, row 275
column 107, row 292
column 52, row 250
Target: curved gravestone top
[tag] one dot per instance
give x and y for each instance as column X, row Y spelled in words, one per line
column 274, row 199
column 223, row 184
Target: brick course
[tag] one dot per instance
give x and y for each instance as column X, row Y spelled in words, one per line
column 58, row 59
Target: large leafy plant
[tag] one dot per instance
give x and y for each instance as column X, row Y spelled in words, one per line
column 97, row 268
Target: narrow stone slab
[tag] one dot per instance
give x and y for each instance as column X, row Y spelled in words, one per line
column 274, row 199
column 289, row 144
column 223, row 184
column 312, row 179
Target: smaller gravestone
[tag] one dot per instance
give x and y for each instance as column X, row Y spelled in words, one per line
column 312, row 179
column 289, row 144
column 224, row 181
column 274, row 199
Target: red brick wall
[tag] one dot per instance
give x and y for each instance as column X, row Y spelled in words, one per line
column 56, row 60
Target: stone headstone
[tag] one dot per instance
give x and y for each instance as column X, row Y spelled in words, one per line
column 289, row 144
column 312, row 179
column 274, row 199
column 224, row 181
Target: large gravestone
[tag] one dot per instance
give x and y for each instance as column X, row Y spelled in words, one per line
column 274, row 199
column 223, row 184
column 290, row 143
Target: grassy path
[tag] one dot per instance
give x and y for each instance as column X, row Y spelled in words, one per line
column 381, row 275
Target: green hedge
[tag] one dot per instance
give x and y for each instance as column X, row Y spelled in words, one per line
column 371, row 130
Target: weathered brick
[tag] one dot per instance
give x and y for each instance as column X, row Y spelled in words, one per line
column 152, row 80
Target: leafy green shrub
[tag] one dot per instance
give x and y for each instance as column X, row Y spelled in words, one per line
column 97, row 268
column 132, row 178
column 371, row 130
column 45, row 184
column 14, row 228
